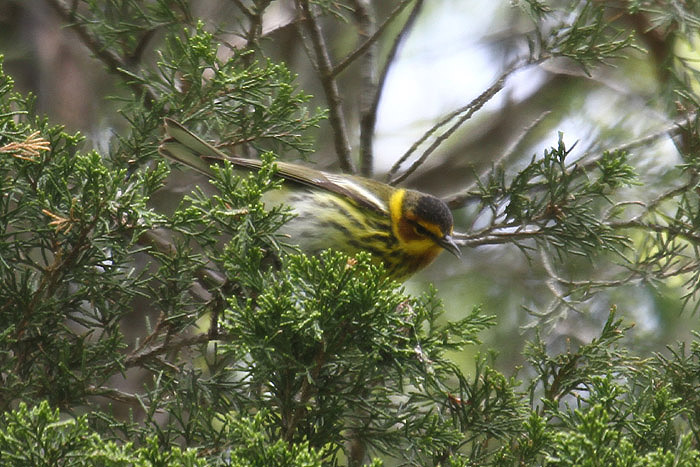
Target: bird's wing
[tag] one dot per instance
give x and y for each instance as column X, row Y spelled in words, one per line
column 185, row 147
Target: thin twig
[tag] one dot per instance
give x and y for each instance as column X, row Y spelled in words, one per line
column 162, row 320
column 554, row 286
column 205, row 275
column 114, row 62
column 308, row 389
column 244, row 9
column 672, row 231
column 467, row 196
column 458, row 199
column 137, row 54
column 256, row 24
column 371, row 40
column 135, row 359
column 369, row 119
column 368, row 69
column 493, row 237
column 329, row 84
column 462, row 115
column 691, row 183
column 243, row 44
column 114, row 394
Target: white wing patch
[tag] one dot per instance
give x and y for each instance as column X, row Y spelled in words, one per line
column 362, row 191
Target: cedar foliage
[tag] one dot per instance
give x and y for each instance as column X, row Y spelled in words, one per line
column 251, row 353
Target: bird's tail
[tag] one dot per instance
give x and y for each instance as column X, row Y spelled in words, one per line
column 185, row 147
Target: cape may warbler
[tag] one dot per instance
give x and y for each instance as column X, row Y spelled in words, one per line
column 405, row 229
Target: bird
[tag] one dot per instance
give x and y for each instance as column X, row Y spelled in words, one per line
column 403, row 229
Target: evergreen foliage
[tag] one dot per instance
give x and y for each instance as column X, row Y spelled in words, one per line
column 252, row 353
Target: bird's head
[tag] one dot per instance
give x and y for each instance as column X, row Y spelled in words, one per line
column 422, row 223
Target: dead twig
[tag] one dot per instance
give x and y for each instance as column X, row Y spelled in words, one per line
column 115, row 63
column 461, row 115
column 324, row 68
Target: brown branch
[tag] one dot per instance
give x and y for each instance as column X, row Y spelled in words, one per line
column 116, row 64
column 471, row 194
column 461, row 114
column 367, row 26
column 137, row 357
column 244, row 9
column 114, row 394
column 140, row 49
column 493, row 237
column 256, row 23
column 369, row 117
column 460, row 198
column 370, row 41
column 329, row 84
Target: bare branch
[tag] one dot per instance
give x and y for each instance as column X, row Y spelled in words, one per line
column 244, row 9
column 459, row 199
column 330, row 85
column 115, row 395
column 495, row 236
column 471, row 194
column 135, row 359
column 116, row 64
column 368, row 68
column 256, row 23
column 371, row 40
column 368, row 120
column 462, row 115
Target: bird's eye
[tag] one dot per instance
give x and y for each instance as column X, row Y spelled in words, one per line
column 420, row 230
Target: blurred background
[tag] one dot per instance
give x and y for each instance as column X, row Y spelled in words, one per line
column 454, row 52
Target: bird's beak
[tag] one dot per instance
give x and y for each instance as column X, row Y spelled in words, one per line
column 448, row 243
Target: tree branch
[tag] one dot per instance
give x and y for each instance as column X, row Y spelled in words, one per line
column 329, row 84
column 141, row 355
column 368, row 68
column 256, row 23
column 115, row 64
column 460, row 198
column 370, row 41
column 368, row 120
column 115, row 395
column 462, row 115
column 244, row 9
column 471, row 194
